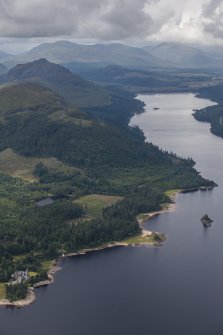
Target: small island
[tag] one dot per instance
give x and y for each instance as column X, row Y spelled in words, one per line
column 206, row 221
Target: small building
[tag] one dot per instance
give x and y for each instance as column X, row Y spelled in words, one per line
column 20, row 276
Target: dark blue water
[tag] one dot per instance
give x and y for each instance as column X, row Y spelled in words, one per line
column 176, row 289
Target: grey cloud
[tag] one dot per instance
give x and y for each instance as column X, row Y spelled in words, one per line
column 111, row 20
column 127, row 18
column 211, row 7
column 22, row 18
column 99, row 19
column 212, row 18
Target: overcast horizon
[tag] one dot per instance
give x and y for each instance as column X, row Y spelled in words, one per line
column 24, row 25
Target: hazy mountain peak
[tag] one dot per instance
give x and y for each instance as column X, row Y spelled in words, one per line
column 40, row 68
column 4, row 55
column 3, row 69
column 62, row 52
column 183, row 55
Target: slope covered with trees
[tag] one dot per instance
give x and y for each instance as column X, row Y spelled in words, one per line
column 213, row 114
column 105, row 157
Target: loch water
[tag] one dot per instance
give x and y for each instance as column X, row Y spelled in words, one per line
column 176, row 289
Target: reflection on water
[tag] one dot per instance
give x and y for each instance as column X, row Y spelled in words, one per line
column 173, row 128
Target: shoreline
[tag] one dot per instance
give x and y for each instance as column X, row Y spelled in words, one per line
column 168, row 207
column 52, row 271
column 31, row 296
column 100, row 248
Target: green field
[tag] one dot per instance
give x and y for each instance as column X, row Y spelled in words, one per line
column 22, row 167
column 94, row 203
column 146, row 239
column 46, row 265
column 172, row 193
column 2, row 291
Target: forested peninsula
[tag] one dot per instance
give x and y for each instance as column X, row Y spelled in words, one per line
column 73, row 177
column 213, row 114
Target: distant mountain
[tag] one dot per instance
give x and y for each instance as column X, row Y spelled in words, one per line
column 3, row 69
column 164, row 55
column 212, row 50
column 4, row 56
column 185, row 55
column 82, row 68
column 142, row 80
column 74, row 89
column 66, row 52
column 118, row 75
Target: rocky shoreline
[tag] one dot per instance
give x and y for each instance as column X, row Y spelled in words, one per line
column 30, row 298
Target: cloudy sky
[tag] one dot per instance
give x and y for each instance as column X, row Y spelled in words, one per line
column 25, row 23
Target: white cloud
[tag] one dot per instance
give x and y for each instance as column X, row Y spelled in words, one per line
column 180, row 20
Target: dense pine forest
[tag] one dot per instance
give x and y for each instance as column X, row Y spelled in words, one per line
column 213, row 114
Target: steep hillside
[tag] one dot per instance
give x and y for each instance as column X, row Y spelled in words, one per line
column 34, row 121
column 27, row 96
column 74, row 89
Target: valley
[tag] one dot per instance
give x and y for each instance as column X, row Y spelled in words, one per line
column 111, row 128
column 56, row 140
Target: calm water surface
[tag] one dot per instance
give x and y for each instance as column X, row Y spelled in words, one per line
column 176, row 289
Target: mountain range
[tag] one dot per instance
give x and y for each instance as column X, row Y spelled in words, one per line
column 163, row 55
column 185, row 55
column 104, row 54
